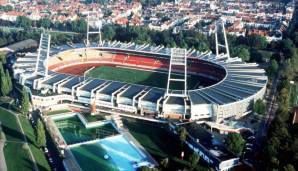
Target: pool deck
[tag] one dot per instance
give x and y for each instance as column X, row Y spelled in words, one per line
column 138, row 146
column 69, row 162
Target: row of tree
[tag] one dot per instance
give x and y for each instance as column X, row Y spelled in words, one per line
column 281, row 149
column 248, row 48
column 79, row 26
column 5, row 79
column 23, row 105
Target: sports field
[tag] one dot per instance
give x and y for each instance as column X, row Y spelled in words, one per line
column 137, row 76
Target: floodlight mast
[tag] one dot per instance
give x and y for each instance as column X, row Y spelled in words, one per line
column 178, row 58
column 43, row 53
column 94, row 25
column 218, row 24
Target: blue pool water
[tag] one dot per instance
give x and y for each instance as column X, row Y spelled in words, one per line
column 123, row 154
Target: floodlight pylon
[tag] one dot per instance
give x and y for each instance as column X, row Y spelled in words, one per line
column 94, row 25
column 220, row 26
column 43, row 52
column 178, row 59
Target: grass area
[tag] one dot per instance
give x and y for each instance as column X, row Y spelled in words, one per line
column 54, row 112
column 5, row 99
column 10, row 126
column 159, row 143
column 94, row 118
column 17, row 157
column 16, row 154
column 15, row 151
column 135, row 76
column 40, row 157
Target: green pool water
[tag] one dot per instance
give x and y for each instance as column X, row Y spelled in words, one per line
column 91, row 157
column 74, row 131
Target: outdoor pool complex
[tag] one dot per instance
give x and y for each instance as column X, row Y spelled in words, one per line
column 100, row 147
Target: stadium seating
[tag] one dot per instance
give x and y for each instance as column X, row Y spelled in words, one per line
column 79, row 60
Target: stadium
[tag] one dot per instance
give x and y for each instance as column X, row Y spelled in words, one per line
column 141, row 80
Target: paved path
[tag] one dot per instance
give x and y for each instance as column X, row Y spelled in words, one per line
column 3, row 166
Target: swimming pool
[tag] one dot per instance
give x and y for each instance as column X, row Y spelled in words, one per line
column 122, row 155
column 123, row 152
column 91, row 157
column 100, row 147
column 74, row 131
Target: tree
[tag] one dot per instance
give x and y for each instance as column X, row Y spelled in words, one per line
column 3, row 58
column 146, row 168
column 256, row 41
column 244, row 54
column 235, row 143
column 164, row 163
column 24, row 101
column 288, row 48
column 259, row 107
column 8, row 81
column 182, row 135
column 194, row 160
column 289, row 167
column 108, row 32
column 81, row 26
column 3, row 82
column 23, row 21
column 273, row 68
column 45, row 22
column 40, row 134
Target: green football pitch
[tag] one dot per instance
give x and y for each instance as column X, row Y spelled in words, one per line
column 143, row 77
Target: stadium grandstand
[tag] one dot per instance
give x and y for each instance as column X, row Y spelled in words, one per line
column 218, row 87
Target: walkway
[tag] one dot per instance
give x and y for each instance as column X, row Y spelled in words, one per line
column 3, row 166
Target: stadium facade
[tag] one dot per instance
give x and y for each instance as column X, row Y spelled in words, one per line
column 56, row 75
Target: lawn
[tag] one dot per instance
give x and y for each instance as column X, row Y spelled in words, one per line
column 136, row 76
column 54, row 112
column 40, row 158
column 94, row 118
column 17, row 157
column 159, row 143
column 10, row 126
column 16, row 153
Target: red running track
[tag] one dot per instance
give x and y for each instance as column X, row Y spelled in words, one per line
column 79, row 66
